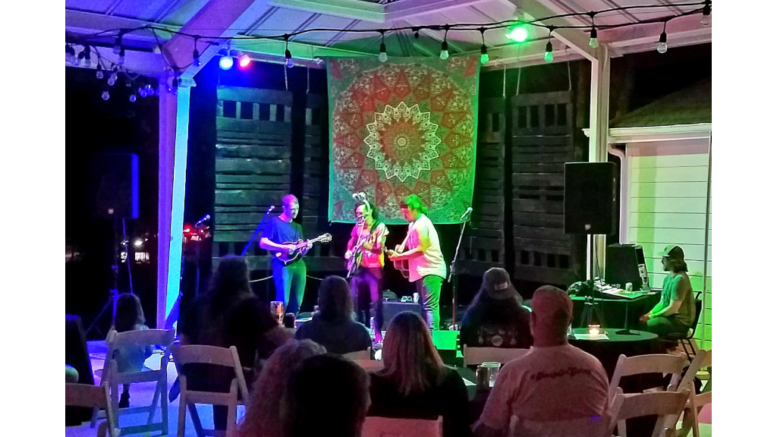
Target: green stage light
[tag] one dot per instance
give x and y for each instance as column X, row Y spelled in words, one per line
column 518, row 33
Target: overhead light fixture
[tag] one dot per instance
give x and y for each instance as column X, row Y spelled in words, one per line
column 383, row 56
column 593, row 41
column 518, row 33
column 662, row 47
column 444, row 48
column 243, row 61
column 549, row 45
column 706, row 17
column 287, row 54
column 483, row 49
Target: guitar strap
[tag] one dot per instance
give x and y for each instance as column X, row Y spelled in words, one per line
column 409, row 230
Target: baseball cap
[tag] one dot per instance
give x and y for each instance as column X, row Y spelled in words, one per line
column 674, row 252
column 496, row 282
column 549, row 302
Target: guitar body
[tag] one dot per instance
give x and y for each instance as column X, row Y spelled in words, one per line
column 299, row 246
column 402, row 265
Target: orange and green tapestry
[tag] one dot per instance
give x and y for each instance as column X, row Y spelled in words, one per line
column 408, row 126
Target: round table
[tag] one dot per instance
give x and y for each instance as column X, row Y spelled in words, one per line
column 608, row 351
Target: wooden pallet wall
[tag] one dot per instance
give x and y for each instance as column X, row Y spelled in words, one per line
column 542, row 141
column 253, row 165
column 483, row 246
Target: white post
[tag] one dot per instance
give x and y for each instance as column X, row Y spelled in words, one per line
column 599, row 129
column 173, row 145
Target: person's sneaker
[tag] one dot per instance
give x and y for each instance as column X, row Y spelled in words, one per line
column 124, row 401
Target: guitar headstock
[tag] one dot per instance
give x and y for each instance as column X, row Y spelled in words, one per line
column 325, row 238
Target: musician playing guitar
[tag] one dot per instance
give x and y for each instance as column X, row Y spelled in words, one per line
column 424, row 258
column 289, row 279
column 365, row 255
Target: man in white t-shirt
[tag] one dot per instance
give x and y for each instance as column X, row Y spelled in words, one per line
column 554, row 383
column 426, row 266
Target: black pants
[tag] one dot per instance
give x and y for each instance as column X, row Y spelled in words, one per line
column 663, row 326
column 368, row 280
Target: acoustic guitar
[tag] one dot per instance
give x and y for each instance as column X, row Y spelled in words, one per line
column 403, row 266
column 356, row 253
column 288, row 257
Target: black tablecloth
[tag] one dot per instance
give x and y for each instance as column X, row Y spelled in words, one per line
column 77, row 356
column 614, row 311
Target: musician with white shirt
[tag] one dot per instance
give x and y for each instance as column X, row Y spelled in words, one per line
column 422, row 254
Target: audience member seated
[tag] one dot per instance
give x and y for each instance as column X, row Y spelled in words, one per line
column 229, row 315
column 328, row 395
column 554, row 382
column 496, row 317
column 414, row 382
column 333, row 326
column 676, row 311
column 264, row 407
column 129, row 317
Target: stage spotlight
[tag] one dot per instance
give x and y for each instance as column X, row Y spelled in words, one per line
column 243, row 61
column 226, row 62
column 138, row 243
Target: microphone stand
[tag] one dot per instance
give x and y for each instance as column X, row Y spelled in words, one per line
column 258, row 230
column 452, row 273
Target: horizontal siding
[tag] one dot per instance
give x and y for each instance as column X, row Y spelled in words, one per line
column 667, row 204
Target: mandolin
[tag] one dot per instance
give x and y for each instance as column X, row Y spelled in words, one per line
column 298, row 246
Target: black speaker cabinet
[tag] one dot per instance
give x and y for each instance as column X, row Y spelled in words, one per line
column 391, row 309
column 590, row 198
column 113, row 184
column 626, row 263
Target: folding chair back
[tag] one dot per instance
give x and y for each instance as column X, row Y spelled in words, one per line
column 375, row 426
column 583, row 427
column 666, row 405
column 477, row 355
column 217, row 356
column 641, row 364
column 358, row 355
column 93, row 396
column 703, row 359
column 139, row 339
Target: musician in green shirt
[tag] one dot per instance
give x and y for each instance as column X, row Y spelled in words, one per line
column 676, row 311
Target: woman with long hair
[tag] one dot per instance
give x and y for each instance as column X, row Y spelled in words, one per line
column 129, row 317
column 368, row 239
column 496, row 318
column 264, row 407
column 414, row 382
column 333, row 326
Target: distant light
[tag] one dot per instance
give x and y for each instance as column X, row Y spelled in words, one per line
column 138, row 242
column 244, row 61
column 226, row 62
column 483, row 54
column 518, row 34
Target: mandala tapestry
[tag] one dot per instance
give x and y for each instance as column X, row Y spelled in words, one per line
column 403, row 127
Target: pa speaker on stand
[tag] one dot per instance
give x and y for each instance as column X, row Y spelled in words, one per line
column 589, row 209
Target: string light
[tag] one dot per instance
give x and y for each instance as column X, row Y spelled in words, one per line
column 287, row 55
column 549, row 46
column 132, row 98
column 444, row 49
column 662, row 41
column 706, row 18
column 518, row 33
column 415, row 32
column 118, row 46
column 70, row 54
column 593, row 41
column 105, row 95
column 121, row 56
column 243, row 61
column 99, row 74
column 196, row 54
column 383, row 57
column 483, row 49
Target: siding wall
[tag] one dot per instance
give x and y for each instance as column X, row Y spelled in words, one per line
column 664, row 202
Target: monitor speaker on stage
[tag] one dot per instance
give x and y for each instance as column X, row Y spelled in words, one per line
column 590, row 198
column 113, row 185
column 626, row 263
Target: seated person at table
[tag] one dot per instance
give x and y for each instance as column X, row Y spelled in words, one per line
column 129, row 317
column 328, row 395
column 496, row 318
column 554, row 383
column 676, row 311
column 414, row 382
column 333, row 326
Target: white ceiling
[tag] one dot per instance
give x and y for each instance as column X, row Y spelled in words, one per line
column 276, row 17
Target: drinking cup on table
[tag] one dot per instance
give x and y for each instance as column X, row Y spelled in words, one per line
column 493, row 371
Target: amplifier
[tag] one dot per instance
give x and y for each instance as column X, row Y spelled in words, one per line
column 391, row 309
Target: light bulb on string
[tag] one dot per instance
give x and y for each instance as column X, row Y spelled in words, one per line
column 444, row 48
column 142, row 91
column 383, row 56
column 196, row 54
column 226, row 62
column 117, row 46
column 70, row 54
column 105, row 95
column 593, row 41
column 244, row 61
column 149, row 89
column 662, row 47
column 99, row 73
column 706, row 17
column 79, row 58
column 415, row 32
column 87, row 57
column 132, row 98
column 549, row 52
column 518, row 33
column 113, row 78
column 121, row 56
column 483, row 48
column 287, row 54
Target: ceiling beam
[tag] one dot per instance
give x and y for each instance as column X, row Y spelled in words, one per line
column 145, row 63
column 374, row 12
column 223, row 18
column 81, row 22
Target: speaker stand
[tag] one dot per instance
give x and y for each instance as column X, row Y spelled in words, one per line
column 114, row 291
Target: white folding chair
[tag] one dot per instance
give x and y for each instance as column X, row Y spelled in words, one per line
column 703, row 359
column 217, row 356
column 666, row 405
column 93, row 396
column 582, row 427
column 477, row 355
column 139, row 339
column 358, row 355
column 375, row 426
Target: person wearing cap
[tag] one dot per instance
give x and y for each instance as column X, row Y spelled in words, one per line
column 496, row 317
column 676, row 311
column 555, row 384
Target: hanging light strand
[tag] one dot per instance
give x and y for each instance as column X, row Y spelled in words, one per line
column 483, row 49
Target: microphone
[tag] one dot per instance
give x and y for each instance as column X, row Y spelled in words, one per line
column 202, row 220
column 358, row 196
column 466, row 213
column 269, row 210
